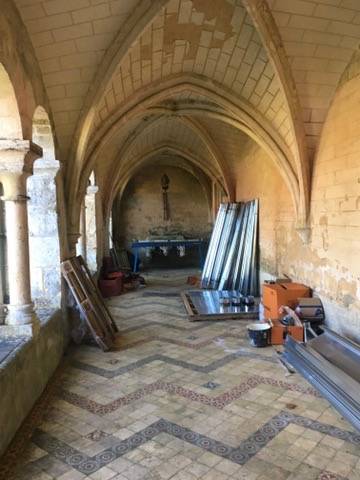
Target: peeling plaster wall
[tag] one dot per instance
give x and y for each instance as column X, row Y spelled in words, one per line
column 140, row 213
column 330, row 263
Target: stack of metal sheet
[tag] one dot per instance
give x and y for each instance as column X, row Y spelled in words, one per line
column 232, row 259
column 331, row 364
column 208, row 305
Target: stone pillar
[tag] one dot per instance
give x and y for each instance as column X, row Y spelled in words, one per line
column 44, row 234
column 106, row 237
column 16, row 165
column 73, row 238
column 90, row 219
column 83, row 232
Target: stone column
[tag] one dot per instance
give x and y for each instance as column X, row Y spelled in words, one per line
column 83, row 232
column 44, row 234
column 16, row 165
column 90, row 219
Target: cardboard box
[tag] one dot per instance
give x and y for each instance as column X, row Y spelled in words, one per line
column 275, row 295
column 279, row 332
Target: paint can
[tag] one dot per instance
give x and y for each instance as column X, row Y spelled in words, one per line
column 259, row 334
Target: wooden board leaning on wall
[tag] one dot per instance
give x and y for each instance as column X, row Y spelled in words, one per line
column 90, row 301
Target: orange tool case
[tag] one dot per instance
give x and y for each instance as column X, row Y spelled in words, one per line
column 277, row 294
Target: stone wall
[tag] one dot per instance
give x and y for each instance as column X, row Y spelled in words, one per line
column 141, row 211
column 330, row 263
column 257, row 177
column 25, row 373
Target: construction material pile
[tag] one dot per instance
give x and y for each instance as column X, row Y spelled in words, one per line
column 330, row 363
column 232, row 258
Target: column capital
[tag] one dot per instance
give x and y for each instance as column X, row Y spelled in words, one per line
column 16, row 164
column 18, row 156
column 73, row 238
column 92, row 190
column 47, row 167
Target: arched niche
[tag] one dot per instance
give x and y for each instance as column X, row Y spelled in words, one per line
column 138, row 209
column 44, row 245
column 166, row 157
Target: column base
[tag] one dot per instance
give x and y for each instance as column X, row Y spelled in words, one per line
column 23, row 319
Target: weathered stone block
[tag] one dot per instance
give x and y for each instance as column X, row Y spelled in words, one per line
column 44, row 251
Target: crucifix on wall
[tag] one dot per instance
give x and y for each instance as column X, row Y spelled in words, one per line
column 165, row 182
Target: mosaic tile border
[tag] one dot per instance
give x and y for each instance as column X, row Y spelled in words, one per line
column 180, row 343
column 153, row 323
column 240, row 455
column 219, row 402
column 221, row 362
column 125, row 307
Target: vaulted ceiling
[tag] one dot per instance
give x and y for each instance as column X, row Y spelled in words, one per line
column 271, row 67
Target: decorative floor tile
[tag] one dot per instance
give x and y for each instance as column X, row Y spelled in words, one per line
column 96, row 435
column 141, row 411
column 240, row 455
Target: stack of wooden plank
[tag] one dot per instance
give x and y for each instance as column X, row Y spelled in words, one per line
column 90, row 301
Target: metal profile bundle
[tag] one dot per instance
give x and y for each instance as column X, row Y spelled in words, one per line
column 232, row 258
column 331, row 364
column 214, row 244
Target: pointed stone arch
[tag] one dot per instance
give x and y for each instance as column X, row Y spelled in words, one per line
column 10, row 122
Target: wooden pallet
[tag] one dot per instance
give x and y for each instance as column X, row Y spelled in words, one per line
column 90, row 301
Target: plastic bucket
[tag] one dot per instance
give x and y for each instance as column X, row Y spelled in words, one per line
column 259, row 334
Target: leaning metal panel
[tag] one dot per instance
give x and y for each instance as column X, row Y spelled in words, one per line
column 206, row 305
column 232, row 257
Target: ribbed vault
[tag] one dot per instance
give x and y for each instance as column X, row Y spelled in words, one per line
column 271, row 67
column 199, row 103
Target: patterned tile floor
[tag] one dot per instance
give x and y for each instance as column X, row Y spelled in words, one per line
column 182, row 401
